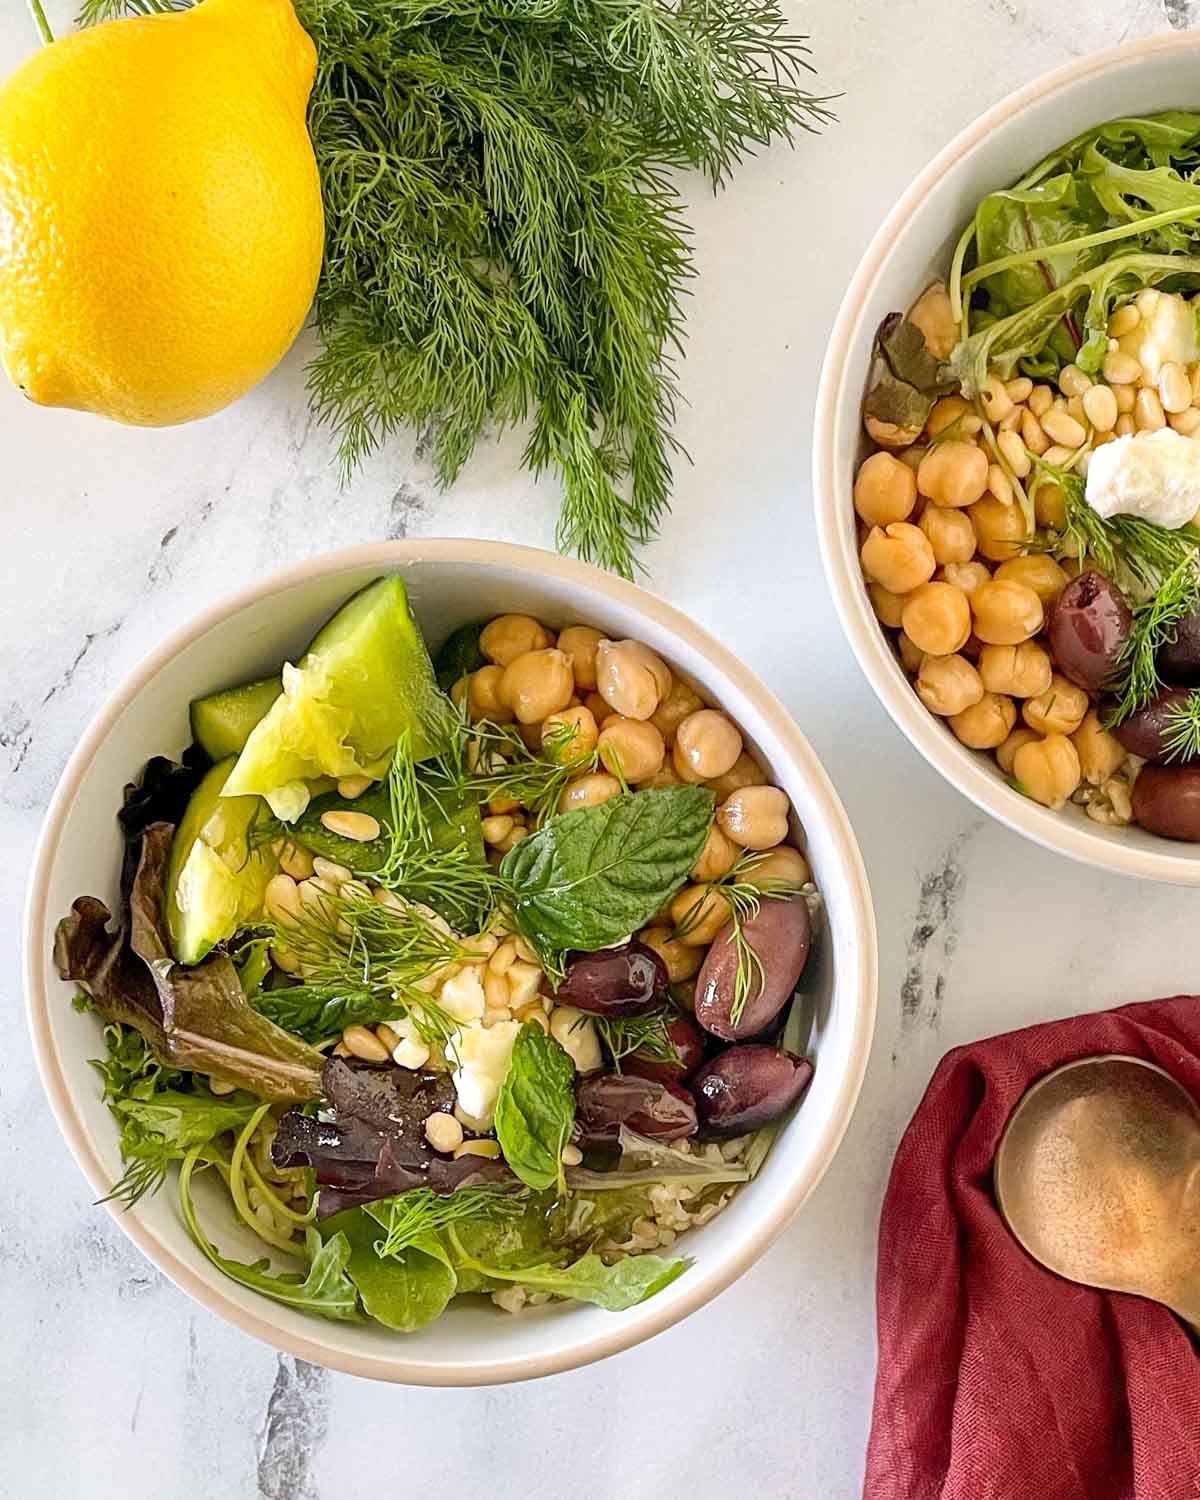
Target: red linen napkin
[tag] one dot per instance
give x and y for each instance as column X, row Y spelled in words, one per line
column 998, row 1380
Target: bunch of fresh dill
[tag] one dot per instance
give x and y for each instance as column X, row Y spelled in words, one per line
column 505, row 240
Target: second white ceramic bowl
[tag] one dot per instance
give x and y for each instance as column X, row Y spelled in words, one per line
column 911, row 249
column 450, row 583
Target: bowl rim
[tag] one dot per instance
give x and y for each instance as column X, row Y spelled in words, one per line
column 398, row 1368
column 831, row 491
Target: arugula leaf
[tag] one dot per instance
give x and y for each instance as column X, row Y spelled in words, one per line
column 404, row 1291
column 325, row 1289
column 615, row 1288
column 536, row 1107
column 587, row 879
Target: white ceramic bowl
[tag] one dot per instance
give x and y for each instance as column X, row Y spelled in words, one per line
column 450, row 582
column 911, row 249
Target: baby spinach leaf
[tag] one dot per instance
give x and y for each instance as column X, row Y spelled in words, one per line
column 587, row 879
column 588, row 1279
column 536, row 1107
column 404, row 1291
column 325, row 1288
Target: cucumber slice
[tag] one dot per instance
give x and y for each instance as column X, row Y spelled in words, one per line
column 215, row 883
column 460, row 655
column 365, row 680
column 221, row 723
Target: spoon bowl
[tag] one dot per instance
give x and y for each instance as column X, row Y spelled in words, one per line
column 1098, row 1177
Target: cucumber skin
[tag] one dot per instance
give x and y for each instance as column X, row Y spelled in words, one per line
column 222, row 722
column 460, row 655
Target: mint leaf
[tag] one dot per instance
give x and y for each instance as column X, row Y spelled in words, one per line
column 536, row 1107
column 587, row 879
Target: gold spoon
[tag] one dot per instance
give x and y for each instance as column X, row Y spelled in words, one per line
column 1098, row 1176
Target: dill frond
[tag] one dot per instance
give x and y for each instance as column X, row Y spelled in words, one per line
column 420, row 1212
column 1181, row 729
column 623, row 1035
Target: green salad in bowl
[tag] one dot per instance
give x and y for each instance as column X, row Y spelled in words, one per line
column 464, row 975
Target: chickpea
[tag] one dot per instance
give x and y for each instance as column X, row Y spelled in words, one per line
column 630, row 678
column 911, row 655
column 755, row 817
column 674, row 708
column 632, row 749
column 537, row 683
column 1100, row 753
column 588, row 791
column 986, row 724
column 1023, row 670
column 483, row 696
column 888, row 434
column 783, row 863
column 1050, row 506
column 745, row 771
column 887, row 606
column 682, row 962
column 932, row 314
column 510, row 636
column 578, row 643
column 1047, row 770
column 666, row 775
column 569, row 736
column 1006, row 752
column 597, row 707
column 899, row 558
column 1006, row 612
column 951, row 533
column 717, row 857
column 945, row 413
column 707, row 744
column 1037, row 572
column 948, row 685
column 953, row 473
column 937, row 618
column 1000, row 530
column 1059, row 710
column 884, row 490
column 966, row 576
column 703, row 910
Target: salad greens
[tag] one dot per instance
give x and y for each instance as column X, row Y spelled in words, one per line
column 536, row 1108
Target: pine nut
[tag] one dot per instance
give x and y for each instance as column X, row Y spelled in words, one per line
column 219, row 1087
column 1194, row 377
column 1126, row 426
column 295, row 861
column 1032, row 434
column 1100, row 408
column 514, row 838
column 571, row 1156
column 1013, row 452
column 999, row 484
column 502, row 805
column 1148, row 412
column 488, row 1149
column 1174, row 388
column 1124, row 320
column 1058, row 455
column 480, row 947
column 1126, row 396
column 351, row 787
column 361, row 827
column 282, row 899
column 1121, row 369
column 495, row 990
column 330, row 873
column 1019, row 389
column 390, row 1039
column 496, row 829
column 341, row 1050
column 285, row 959
column 1186, row 423
column 365, row 1044
column 501, row 960
column 1072, row 381
column 995, row 399
column 443, row 1132
column 1075, row 409
column 969, row 425
column 1101, row 438
column 525, row 953
column 1063, row 429
column 1012, row 421
column 1041, row 399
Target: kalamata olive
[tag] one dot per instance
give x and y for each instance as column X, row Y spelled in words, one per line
column 622, row 981
column 1180, row 661
column 606, row 1101
column 689, row 1045
column 1166, row 801
column 744, row 1087
column 1088, row 624
column 780, row 936
column 1142, row 732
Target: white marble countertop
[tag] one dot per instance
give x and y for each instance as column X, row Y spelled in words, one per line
column 112, row 1383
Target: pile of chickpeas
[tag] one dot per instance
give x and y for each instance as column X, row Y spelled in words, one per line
column 616, row 711
column 943, row 547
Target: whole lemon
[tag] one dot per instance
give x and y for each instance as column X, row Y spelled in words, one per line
column 160, row 211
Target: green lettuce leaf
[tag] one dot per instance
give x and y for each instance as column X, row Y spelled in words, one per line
column 615, row 1288
column 403, row 1291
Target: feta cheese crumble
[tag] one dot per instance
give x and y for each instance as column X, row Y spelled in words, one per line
column 481, row 1056
column 1155, row 475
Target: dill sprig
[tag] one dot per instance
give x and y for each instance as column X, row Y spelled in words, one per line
column 420, row 1212
column 1181, row 729
column 1155, row 625
column 504, row 235
column 623, row 1035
